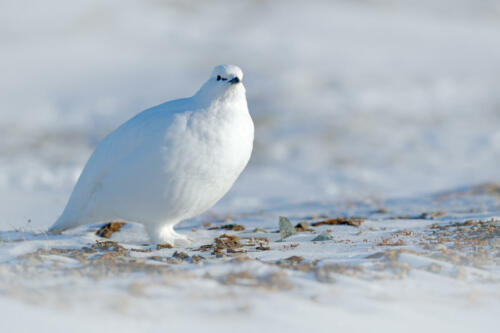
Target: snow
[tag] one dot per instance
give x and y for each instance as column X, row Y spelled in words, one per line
column 358, row 106
column 352, row 282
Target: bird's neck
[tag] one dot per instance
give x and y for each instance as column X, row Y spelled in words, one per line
column 209, row 95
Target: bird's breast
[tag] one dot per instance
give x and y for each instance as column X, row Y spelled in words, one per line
column 215, row 145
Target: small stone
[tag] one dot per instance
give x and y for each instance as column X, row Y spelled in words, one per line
column 324, row 236
column 180, row 255
column 286, row 228
column 197, row 259
column 295, row 259
column 164, row 246
column 303, row 227
column 259, row 230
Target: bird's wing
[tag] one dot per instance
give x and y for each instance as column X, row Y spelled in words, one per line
column 126, row 139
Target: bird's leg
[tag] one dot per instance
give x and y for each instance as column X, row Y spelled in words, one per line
column 166, row 234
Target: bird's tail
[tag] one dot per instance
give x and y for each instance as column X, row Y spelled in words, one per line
column 57, row 227
column 62, row 224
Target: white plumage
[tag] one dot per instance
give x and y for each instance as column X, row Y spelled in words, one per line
column 168, row 163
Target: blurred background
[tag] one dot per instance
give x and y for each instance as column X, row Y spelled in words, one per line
column 350, row 98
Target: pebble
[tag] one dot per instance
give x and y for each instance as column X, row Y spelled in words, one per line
column 286, row 228
column 324, row 236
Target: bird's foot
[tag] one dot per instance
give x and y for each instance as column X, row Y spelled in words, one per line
column 167, row 235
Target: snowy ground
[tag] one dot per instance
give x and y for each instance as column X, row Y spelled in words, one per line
column 360, row 107
column 425, row 270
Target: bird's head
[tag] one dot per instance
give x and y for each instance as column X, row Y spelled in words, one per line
column 225, row 80
column 226, row 75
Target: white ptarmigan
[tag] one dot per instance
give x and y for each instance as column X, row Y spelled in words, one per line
column 168, row 163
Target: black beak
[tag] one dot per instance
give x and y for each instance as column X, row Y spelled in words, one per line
column 235, row 80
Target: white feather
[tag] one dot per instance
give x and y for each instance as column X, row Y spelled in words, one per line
column 168, row 163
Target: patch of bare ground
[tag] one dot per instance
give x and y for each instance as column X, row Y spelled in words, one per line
column 471, row 243
column 422, row 216
column 99, row 260
column 352, row 221
column 230, row 245
column 164, row 246
column 273, row 281
column 488, row 188
column 231, row 227
column 109, row 228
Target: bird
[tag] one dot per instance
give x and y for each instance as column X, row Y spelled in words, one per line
column 168, row 163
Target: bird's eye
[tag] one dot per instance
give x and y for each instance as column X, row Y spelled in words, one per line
column 218, row 77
